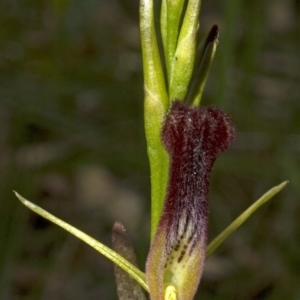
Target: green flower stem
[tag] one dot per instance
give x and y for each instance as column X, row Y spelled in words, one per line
column 242, row 218
column 183, row 62
column 156, row 104
column 134, row 272
column 171, row 12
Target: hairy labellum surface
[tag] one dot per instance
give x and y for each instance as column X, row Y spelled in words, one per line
column 193, row 137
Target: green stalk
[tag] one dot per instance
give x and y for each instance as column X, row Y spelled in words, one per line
column 156, row 103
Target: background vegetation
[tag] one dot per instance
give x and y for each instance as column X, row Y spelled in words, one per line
column 72, row 141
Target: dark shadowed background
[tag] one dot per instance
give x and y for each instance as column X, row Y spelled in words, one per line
column 72, row 141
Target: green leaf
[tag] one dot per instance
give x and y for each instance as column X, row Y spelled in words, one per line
column 134, row 272
column 242, row 218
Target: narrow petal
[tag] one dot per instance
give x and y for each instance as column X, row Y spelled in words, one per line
column 193, row 137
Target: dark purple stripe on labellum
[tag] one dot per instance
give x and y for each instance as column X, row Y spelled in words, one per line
column 193, row 137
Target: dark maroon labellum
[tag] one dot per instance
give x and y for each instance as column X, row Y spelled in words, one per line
column 193, row 137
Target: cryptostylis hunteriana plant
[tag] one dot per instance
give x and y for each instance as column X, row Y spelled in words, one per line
column 183, row 142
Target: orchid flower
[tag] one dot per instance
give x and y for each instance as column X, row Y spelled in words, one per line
column 193, row 137
column 183, row 142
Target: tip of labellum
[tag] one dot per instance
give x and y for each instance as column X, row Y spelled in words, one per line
column 193, row 137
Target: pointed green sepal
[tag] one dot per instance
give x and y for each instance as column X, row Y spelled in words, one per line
column 243, row 217
column 124, row 264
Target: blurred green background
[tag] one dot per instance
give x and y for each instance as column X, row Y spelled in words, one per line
column 72, row 141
